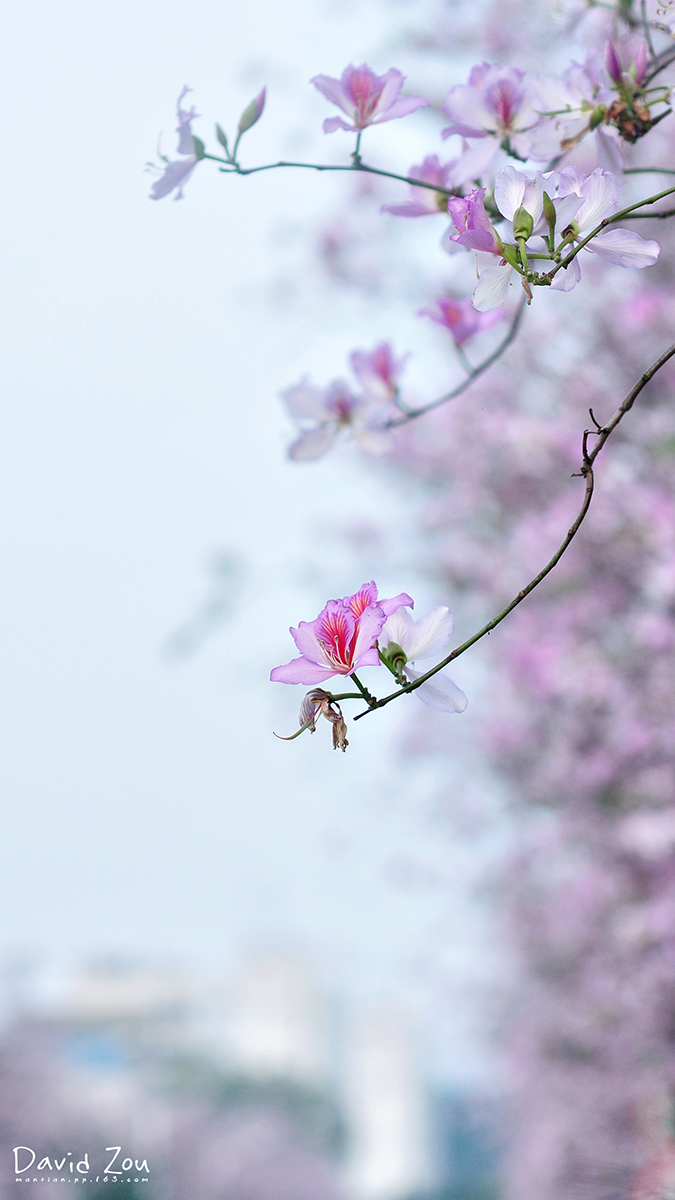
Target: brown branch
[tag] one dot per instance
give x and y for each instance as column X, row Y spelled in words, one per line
column 586, row 470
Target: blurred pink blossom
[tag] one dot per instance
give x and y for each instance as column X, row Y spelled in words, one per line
column 460, row 317
column 367, row 98
column 178, row 171
column 424, row 202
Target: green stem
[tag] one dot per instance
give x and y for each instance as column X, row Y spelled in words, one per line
column 608, row 221
column 235, row 169
column 370, row 700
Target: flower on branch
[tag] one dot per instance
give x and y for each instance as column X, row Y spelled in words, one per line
column 178, row 170
column 495, row 107
column 324, row 413
column 424, row 202
column 367, row 98
column 460, row 318
column 567, row 205
column 404, row 640
column 378, row 371
column 341, row 640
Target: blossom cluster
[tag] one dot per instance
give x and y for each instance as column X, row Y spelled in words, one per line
column 365, row 630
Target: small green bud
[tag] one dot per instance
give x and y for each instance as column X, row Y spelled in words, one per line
column 522, row 224
column 512, row 255
column 549, row 212
column 200, row 148
column 251, row 114
column 222, row 138
column 597, row 116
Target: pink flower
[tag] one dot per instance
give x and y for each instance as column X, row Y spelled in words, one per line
column 341, row 639
column 494, row 104
column 178, row 171
column 424, row 202
column 327, row 412
column 324, row 413
column 367, row 98
column 460, row 317
column 378, row 372
column 472, row 223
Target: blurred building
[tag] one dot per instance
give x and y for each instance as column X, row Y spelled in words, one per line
column 235, row 1091
column 387, row 1110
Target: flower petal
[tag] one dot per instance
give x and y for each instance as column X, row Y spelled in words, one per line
column 625, row 249
column 492, row 288
column 313, row 443
column 440, row 692
column 333, row 123
column 301, row 670
column 430, row 634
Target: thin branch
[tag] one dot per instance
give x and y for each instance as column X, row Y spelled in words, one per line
column 617, row 216
column 645, row 26
column 588, row 458
column 357, row 166
column 649, row 171
column 475, row 372
column 668, row 212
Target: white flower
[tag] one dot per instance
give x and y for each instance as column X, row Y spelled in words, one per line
column 424, row 639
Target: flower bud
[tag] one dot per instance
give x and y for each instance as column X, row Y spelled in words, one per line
column 252, row 113
column 511, row 255
column 597, row 116
column 222, row 138
column 550, row 213
column 612, row 62
column 522, row 224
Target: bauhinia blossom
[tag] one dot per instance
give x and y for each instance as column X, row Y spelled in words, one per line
column 460, row 318
column 324, row 413
column 424, row 202
column 495, row 107
column 378, row 371
column 403, row 641
column 579, row 203
column 342, row 639
column 178, row 171
column 366, row 98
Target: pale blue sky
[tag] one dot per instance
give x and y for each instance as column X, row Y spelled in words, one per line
column 146, row 804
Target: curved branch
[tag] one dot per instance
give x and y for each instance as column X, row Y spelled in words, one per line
column 474, row 373
column 234, row 169
column 588, row 458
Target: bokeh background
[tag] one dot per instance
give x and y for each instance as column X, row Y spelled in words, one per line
column 440, row 966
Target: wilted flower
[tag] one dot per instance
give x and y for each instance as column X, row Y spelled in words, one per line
column 367, row 98
column 404, row 640
column 178, row 171
column 460, row 318
column 341, row 639
column 320, row 702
